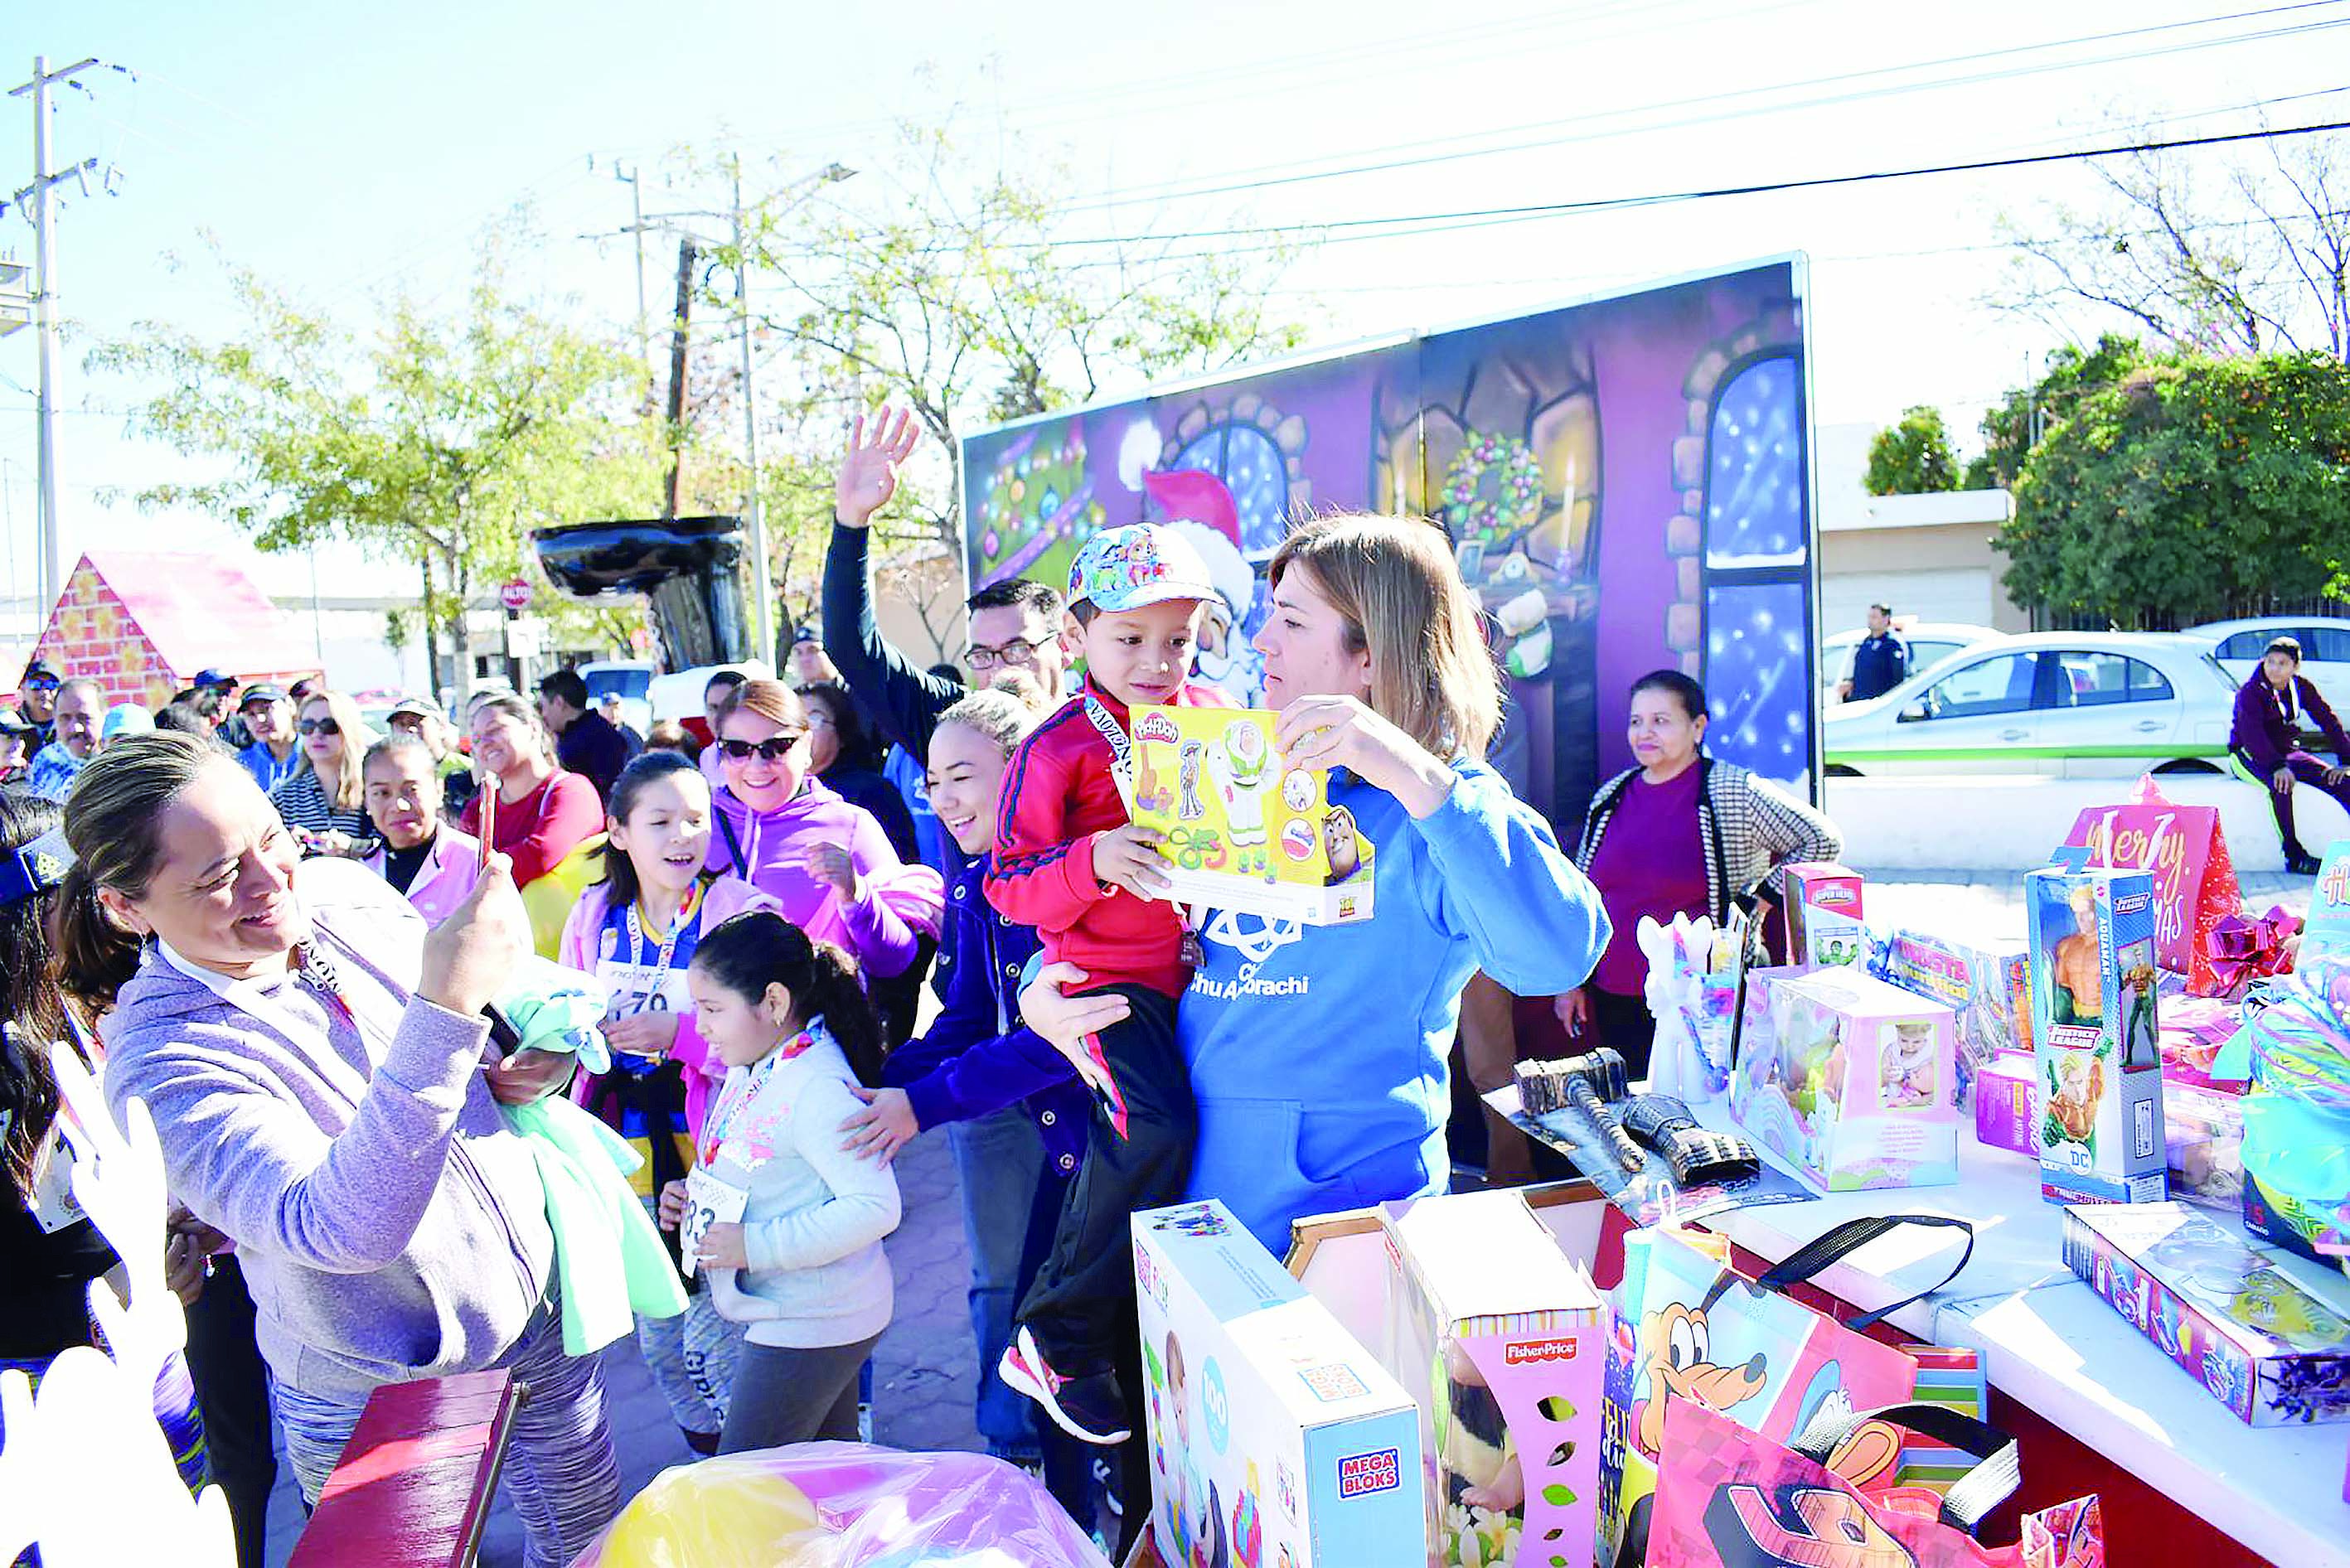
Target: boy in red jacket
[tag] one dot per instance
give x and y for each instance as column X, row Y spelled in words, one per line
column 1068, row 862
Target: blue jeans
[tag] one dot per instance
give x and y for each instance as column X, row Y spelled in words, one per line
column 998, row 1164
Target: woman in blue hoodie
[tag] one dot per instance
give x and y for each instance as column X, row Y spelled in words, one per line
column 1318, row 1053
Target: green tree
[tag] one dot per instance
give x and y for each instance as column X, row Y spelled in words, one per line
column 2193, row 485
column 2009, row 429
column 1912, row 457
column 428, row 441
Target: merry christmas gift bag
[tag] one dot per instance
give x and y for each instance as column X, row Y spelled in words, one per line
column 2182, row 848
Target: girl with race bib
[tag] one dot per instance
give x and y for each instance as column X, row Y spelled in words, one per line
column 787, row 1221
column 636, row 931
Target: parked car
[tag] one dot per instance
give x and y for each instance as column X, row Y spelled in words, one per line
column 2324, row 646
column 679, row 696
column 1930, row 642
column 2064, row 703
column 632, row 678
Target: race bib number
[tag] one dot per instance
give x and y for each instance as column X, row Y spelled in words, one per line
column 708, row 1201
column 644, row 988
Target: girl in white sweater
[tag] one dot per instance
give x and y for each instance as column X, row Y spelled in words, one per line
column 788, row 1222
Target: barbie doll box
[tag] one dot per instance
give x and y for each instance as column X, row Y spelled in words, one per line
column 2266, row 1334
column 1243, row 833
column 1856, row 1086
column 1275, row 1438
column 2094, row 1033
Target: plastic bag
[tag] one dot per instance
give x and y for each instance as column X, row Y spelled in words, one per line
column 843, row 1505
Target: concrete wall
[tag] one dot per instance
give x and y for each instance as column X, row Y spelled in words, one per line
column 1989, row 823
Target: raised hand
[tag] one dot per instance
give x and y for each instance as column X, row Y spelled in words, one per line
column 869, row 469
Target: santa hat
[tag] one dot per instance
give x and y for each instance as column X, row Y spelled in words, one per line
column 1199, row 507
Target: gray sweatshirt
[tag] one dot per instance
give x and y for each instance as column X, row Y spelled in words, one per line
column 388, row 1225
column 812, row 1224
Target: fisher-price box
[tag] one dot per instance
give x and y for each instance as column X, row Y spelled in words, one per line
column 1277, row 1439
column 1856, row 1086
column 1243, row 833
column 2266, row 1334
column 1501, row 1339
column 2093, row 1023
column 1824, row 923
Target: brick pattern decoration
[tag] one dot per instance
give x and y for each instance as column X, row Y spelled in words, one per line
column 95, row 633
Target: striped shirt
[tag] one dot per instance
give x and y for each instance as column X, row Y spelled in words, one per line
column 302, row 801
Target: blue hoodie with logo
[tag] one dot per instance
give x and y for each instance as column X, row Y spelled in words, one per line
column 1317, row 1053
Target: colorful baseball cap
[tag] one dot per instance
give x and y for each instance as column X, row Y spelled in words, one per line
column 1137, row 565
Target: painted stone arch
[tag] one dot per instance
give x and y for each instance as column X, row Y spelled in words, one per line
column 1258, row 451
column 1741, row 616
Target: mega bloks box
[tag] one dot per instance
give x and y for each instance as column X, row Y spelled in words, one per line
column 1501, row 1339
column 1824, row 923
column 2093, row 1024
column 1276, row 1438
column 1856, row 1086
column 1988, row 987
column 1242, row 832
column 2266, row 1334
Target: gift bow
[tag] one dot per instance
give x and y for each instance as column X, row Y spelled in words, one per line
column 2243, row 950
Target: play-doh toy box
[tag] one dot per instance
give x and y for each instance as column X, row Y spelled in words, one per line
column 1500, row 1338
column 2266, row 1334
column 1242, row 832
column 1824, row 923
column 2094, row 1030
column 1855, row 1087
column 1275, row 1438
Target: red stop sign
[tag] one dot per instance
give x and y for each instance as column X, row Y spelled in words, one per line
column 514, row 595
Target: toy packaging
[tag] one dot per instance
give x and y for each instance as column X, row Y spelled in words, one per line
column 1988, row 987
column 1501, row 1339
column 2006, row 1109
column 1856, row 1086
column 2193, row 1029
column 2093, row 1024
column 2327, row 930
column 1276, row 1438
column 2268, row 1336
column 1243, row 834
column 2204, row 1132
column 1824, row 924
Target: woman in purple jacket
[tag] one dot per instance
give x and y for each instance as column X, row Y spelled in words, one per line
column 1014, row 1110
column 2266, row 739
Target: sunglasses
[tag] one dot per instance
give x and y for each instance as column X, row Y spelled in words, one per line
column 773, row 748
column 41, row 683
column 319, row 727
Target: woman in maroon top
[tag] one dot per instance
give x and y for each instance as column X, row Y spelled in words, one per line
column 544, row 812
column 1681, row 833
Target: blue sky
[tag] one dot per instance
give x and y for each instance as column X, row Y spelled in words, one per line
column 348, row 152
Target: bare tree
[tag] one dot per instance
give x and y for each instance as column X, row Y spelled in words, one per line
column 2252, row 257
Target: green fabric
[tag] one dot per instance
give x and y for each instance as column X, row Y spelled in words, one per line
column 552, row 1009
column 608, row 1255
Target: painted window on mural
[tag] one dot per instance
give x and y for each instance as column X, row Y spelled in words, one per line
column 1755, row 473
column 1254, row 469
column 1757, row 571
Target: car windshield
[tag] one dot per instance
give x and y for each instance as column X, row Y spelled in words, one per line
column 629, row 683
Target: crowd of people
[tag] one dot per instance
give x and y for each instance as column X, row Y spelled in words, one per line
column 294, row 939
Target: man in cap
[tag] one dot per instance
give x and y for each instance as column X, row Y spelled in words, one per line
column 80, row 705
column 36, row 698
column 16, row 744
column 269, row 715
column 810, row 663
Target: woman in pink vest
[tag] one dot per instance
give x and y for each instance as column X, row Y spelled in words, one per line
column 433, row 863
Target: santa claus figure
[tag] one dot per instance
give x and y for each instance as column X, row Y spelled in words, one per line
column 1199, row 507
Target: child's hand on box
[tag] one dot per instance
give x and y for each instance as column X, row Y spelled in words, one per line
column 1127, row 858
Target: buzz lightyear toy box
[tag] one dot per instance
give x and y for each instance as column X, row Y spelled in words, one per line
column 2093, row 1028
column 1277, row 1439
column 1501, row 1339
column 1855, row 1084
column 1242, row 833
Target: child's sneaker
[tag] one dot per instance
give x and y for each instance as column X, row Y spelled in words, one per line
column 1090, row 1409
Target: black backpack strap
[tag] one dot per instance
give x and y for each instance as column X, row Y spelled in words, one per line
column 1997, row 1472
column 1851, row 1235
column 735, row 862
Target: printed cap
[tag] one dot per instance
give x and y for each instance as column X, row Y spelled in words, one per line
column 1141, row 563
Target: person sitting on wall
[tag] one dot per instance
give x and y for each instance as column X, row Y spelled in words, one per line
column 1880, row 661
column 585, row 740
column 2265, row 737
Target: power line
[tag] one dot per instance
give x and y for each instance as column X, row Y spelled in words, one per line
column 1235, row 183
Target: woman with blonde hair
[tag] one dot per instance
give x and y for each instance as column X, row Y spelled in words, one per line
column 324, row 801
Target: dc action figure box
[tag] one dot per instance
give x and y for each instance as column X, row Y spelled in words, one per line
column 2093, row 1027
column 1242, row 832
column 1277, row 1439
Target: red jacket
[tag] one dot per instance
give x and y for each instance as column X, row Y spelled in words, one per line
column 1059, row 798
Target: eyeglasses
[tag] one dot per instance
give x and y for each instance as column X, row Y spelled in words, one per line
column 1019, row 650
column 319, row 727
column 773, row 748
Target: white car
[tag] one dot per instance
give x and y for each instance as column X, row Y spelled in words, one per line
column 1931, row 642
column 632, row 678
column 2072, row 704
column 2324, row 646
column 679, row 696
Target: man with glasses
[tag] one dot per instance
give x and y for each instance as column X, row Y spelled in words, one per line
column 1014, row 624
column 269, row 715
column 80, row 705
column 37, row 697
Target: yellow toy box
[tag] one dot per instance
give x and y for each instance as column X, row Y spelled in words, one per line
column 1243, row 833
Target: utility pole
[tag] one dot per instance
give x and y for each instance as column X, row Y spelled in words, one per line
column 632, row 176
column 44, row 252
column 762, row 604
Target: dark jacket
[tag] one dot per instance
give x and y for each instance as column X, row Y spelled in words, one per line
column 978, row 1057
column 902, row 700
column 2267, row 737
column 1878, row 665
column 591, row 747
column 863, row 786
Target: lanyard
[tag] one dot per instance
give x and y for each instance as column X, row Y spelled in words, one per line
column 730, row 1107
column 686, row 914
column 1121, row 750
